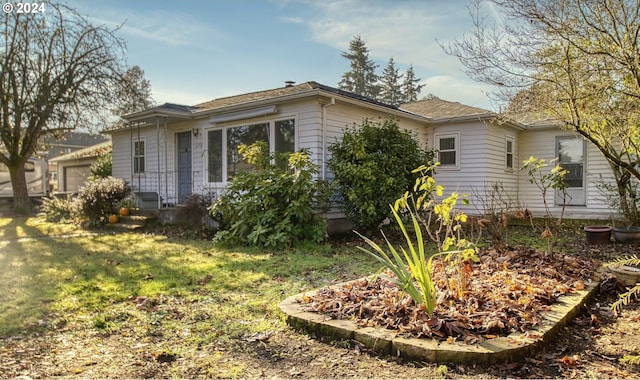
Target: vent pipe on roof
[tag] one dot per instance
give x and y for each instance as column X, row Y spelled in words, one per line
column 289, row 83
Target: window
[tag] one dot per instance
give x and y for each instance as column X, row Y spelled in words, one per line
column 214, row 140
column 571, row 157
column 447, row 146
column 224, row 160
column 570, row 151
column 138, row 156
column 509, row 153
column 244, row 135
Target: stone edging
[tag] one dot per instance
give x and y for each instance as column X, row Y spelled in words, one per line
column 514, row 347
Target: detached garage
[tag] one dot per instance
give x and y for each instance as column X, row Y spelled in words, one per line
column 74, row 168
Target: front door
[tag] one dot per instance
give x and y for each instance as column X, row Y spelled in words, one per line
column 570, row 151
column 184, row 166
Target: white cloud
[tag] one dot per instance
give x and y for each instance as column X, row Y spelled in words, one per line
column 158, row 26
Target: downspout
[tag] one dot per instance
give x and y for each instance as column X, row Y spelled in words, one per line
column 324, row 136
column 131, row 153
column 166, row 162
column 138, row 139
column 158, row 159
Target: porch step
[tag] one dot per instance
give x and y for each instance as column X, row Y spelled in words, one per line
column 137, row 220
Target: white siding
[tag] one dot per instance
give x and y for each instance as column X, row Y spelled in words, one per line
column 542, row 144
column 471, row 173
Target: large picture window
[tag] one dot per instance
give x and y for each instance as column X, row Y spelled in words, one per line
column 224, row 160
column 244, row 135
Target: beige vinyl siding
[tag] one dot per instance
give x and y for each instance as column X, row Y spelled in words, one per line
column 542, row 144
column 472, row 172
column 497, row 172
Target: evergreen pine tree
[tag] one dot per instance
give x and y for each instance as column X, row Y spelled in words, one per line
column 410, row 87
column 362, row 78
column 390, row 85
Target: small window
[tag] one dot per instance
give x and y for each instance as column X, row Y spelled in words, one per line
column 509, row 153
column 447, row 146
column 138, row 156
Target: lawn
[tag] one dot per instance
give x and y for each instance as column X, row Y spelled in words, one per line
column 87, row 304
column 153, row 288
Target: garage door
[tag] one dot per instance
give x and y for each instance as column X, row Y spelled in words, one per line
column 74, row 177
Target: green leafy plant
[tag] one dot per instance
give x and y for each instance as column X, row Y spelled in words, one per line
column 372, row 167
column 57, row 209
column 625, row 298
column 443, row 224
column 101, row 167
column 99, row 198
column 275, row 205
column 545, row 181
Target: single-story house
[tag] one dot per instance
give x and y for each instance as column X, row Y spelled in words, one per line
column 72, row 169
column 173, row 151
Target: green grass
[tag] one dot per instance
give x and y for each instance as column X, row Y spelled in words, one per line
column 130, row 283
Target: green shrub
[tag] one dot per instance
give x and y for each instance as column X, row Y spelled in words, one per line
column 101, row 167
column 99, row 198
column 273, row 205
column 372, row 167
column 57, row 209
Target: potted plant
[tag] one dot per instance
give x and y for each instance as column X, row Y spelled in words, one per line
column 598, row 234
column 125, row 206
column 626, row 234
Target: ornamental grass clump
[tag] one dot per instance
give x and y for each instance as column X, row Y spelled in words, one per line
column 413, row 266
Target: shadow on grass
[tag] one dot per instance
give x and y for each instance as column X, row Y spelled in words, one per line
column 70, row 278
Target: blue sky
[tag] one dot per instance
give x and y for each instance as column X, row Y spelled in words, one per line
column 193, row 51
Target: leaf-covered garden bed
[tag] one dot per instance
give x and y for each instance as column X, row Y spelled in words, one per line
column 507, row 292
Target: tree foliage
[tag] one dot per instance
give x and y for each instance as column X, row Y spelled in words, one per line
column 574, row 61
column 390, row 85
column 388, row 88
column 58, row 72
column 373, row 167
column 361, row 79
column 411, row 86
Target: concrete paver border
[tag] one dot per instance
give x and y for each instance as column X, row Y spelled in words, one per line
column 514, row 347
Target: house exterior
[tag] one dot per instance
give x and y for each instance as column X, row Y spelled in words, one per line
column 174, row 151
column 72, row 169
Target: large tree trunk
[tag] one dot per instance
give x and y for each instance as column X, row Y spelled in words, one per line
column 21, row 202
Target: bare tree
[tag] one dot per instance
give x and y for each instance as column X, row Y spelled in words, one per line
column 576, row 61
column 57, row 73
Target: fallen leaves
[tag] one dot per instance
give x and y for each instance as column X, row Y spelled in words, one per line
column 507, row 292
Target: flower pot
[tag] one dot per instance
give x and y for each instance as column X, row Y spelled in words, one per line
column 113, row 218
column 626, row 234
column 598, row 234
column 628, row 275
column 124, row 211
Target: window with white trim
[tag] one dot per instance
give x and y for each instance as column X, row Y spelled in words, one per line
column 508, row 148
column 138, row 157
column 224, row 160
column 447, row 147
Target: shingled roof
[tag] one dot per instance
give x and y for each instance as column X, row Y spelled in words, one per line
column 281, row 92
column 437, row 108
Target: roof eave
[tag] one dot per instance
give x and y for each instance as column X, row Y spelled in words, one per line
column 314, row 92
